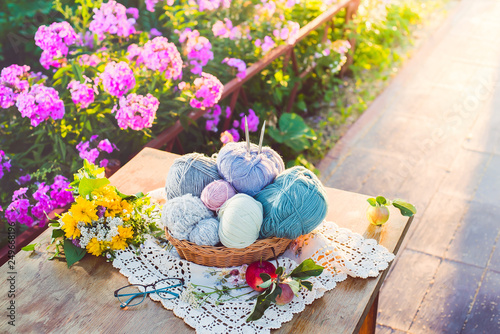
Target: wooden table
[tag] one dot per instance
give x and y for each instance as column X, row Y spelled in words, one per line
column 49, row 297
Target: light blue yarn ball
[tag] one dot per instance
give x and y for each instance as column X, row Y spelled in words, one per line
column 248, row 173
column 181, row 214
column 294, row 205
column 206, row 232
column 189, row 174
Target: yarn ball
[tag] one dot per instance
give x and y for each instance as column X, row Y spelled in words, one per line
column 189, row 174
column 294, row 205
column 181, row 214
column 216, row 193
column 206, row 232
column 240, row 220
column 248, row 173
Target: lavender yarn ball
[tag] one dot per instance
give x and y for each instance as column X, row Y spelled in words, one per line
column 294, row 205
column 240, row 220
column 206, row 232
column 181, row 214
column 216, row 194
column 190, row 174
column 248, row 173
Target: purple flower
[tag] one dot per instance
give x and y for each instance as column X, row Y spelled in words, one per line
column 61, row 193
column 252, row 119
column 239, row 64
column 17, row 211
column 235, row 134
column 13, row 81
column 134, row 52
column 81, row 94
column 18, row 194
column 24, row 179
column 137, row 111
column 155, row 32
column 160, row 55
column 150, row 5
column 117, row 78
column 267, row 45
column 197, row 49
column 105, row 145
column 54, row 41
column 112, row 18
column 226, row 137
column 103, row 163
column 208, row 91
column 40, row 103
column 133, row 11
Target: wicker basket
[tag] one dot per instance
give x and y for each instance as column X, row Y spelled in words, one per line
column 228, row 257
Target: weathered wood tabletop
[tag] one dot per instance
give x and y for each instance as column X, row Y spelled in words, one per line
column 49, row 297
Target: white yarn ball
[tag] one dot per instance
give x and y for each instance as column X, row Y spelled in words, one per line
column 181, row 214
column 206, row 232
column 240, row 220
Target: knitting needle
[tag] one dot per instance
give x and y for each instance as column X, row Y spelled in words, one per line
column 247, row 135
column 262, row 136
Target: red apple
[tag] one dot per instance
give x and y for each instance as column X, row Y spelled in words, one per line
column 286, row 294
column 255, row 269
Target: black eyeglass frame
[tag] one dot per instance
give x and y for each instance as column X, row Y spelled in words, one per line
column 146, row 292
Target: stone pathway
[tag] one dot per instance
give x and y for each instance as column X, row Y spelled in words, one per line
column 433, row 138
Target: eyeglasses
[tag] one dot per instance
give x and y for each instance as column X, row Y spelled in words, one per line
column 168, row 288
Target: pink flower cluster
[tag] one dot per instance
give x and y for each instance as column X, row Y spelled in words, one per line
column 54, row 41
column 239, row 64
column 197, row 48
column 89, row 60
column 81, row 94
column 226, row 30
column 40, row 103
column 4, row 163
column 137, row 111
column 208, row 91
column 13, row 81
column 210, row 5
column 150, row 4
column 266, row 45
column 91, row 154
column 288, row 33
column 112, row 18
column 213, row 118
column 265, row 10
column 46, row 199
column 252, row 119
column 117, row 78
column 159, row 54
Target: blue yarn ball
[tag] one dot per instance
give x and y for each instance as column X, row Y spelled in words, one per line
column 248, row 173
column 206, row 232
column 189, row 174
column 294, row 205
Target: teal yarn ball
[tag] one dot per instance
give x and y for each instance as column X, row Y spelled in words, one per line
column 206, row 232
column 189, row 174
column 181, row 214
column 247, row 172
column 294, row 205
column 240, row 221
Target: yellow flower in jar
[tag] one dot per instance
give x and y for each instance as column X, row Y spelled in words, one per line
column 107, row 192
column 118, row 243
column 125, row 232
column 70, row 226
column 83, row 210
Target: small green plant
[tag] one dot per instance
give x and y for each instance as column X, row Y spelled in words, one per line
column 378, row 214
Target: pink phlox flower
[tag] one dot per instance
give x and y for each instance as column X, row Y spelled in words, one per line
column 197, row 48
column 103, row 163
column 268, row 44
column 213, row 118
column 235, row 134
column 222, row 29
column 252, row 119
column 133, row 11
column 238, row 64
column 150, row 5
column 89, row 60
column 13, row 81
column 24, row 179
column 160, row 55
column 117, row 78
column 137, row 111
column 155, row 32
column 82, row 94
column 112, row 18
column 226, row 137
column 54, row 41
column 134, row 53
column 40, row 103
column 61, row 193
column 208, row 91
column 105, row 145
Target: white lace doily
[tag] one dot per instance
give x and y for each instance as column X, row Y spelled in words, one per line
column 339, row 250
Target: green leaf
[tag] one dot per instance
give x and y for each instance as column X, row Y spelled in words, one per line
column 279, row 271
column 372, row 201
column 261, row 305
column 265, row 277
column 307, row 269
column 73, row 254
column 265, row 284
column 57, row 233
column 55, row 224
column 294, row 285
column 306, row 284
column 29, row 248
column 381, row 200
column 406, row 208
column 88, row 185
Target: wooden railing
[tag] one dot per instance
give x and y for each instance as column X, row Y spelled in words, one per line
column 234, row 87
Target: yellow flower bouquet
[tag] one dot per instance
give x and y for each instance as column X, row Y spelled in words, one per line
column 102, row 220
